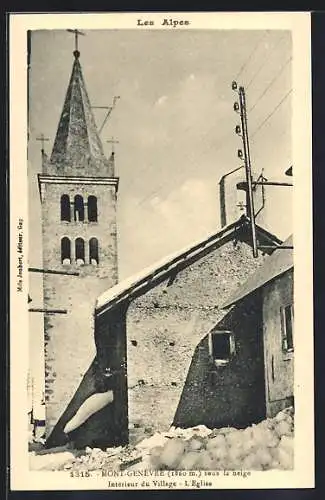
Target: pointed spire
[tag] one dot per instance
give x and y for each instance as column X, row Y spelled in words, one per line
column 78, row 149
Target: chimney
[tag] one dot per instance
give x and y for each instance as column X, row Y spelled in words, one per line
column 233, row 196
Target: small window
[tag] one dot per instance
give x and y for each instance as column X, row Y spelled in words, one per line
column 92, row 209
column 80, row 251
column 287, row 328
column 79, row 209
column 221, row 347
column 93, row 251
column 65, row 208
column 65, row 251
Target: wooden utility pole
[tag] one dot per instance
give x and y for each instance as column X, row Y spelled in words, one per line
column 250, row 183
column 243, row 131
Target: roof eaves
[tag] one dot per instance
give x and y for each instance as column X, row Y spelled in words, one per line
column 138, row 281
column 134, row 284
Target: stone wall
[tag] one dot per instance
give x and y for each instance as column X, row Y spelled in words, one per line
column 279, row 366
column 167, row 325
column 69, row 340
column 233, row 394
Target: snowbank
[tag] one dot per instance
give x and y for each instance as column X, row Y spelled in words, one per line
column 264, row 446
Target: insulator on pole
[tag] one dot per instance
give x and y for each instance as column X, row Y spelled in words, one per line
column 250, row 200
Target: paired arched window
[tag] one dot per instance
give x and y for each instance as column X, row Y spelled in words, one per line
column 79, row 209
column 65, row 251
column 93, row 251
column 65, row 208
column 79, row 251
column 92, row 208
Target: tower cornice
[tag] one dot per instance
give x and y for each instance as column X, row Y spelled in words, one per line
column 75, row 179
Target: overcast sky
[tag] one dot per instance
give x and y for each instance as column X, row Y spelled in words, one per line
column 174, row 122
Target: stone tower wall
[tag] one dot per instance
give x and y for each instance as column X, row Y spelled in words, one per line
column 69, row 340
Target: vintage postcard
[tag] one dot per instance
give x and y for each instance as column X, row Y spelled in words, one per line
column 161, row 251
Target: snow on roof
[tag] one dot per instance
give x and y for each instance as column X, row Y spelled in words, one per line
column 138, row 280
column 278, row 263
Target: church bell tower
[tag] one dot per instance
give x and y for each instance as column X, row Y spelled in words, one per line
column 78, row 190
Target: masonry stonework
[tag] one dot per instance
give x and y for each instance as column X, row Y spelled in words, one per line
column 69, row 345
column 166, row 325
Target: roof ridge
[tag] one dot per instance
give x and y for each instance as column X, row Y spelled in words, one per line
column 170, row 261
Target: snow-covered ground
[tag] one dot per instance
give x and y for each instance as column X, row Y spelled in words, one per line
column 264, row 446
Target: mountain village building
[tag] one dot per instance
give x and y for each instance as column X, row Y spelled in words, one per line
column 161, row 342
column 178, row 357
column 271, row 290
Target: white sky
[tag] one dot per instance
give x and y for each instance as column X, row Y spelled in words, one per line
column 175, row 125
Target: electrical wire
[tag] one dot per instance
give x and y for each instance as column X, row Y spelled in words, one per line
column 271, row 114
column 265, row 61
column 251, row 54
column 223, row 141
column 238, row 74
column 222, row 144
column 271, row 83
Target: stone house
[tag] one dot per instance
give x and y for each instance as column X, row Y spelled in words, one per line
column 177, row 355
column 270, row 289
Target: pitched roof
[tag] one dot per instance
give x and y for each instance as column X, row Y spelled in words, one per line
column 140, row 281
column 77, row 143
column 278, row 263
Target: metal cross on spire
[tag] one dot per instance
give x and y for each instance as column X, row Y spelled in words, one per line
column 76, row 34
column 42, row 139
column 113, row 141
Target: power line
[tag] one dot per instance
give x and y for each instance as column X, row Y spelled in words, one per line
column 251, row 55
column 271, row 114
column 239, row 73
column 223, row 141
column 265, row 61
column 222, row 144
column 270, row 84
